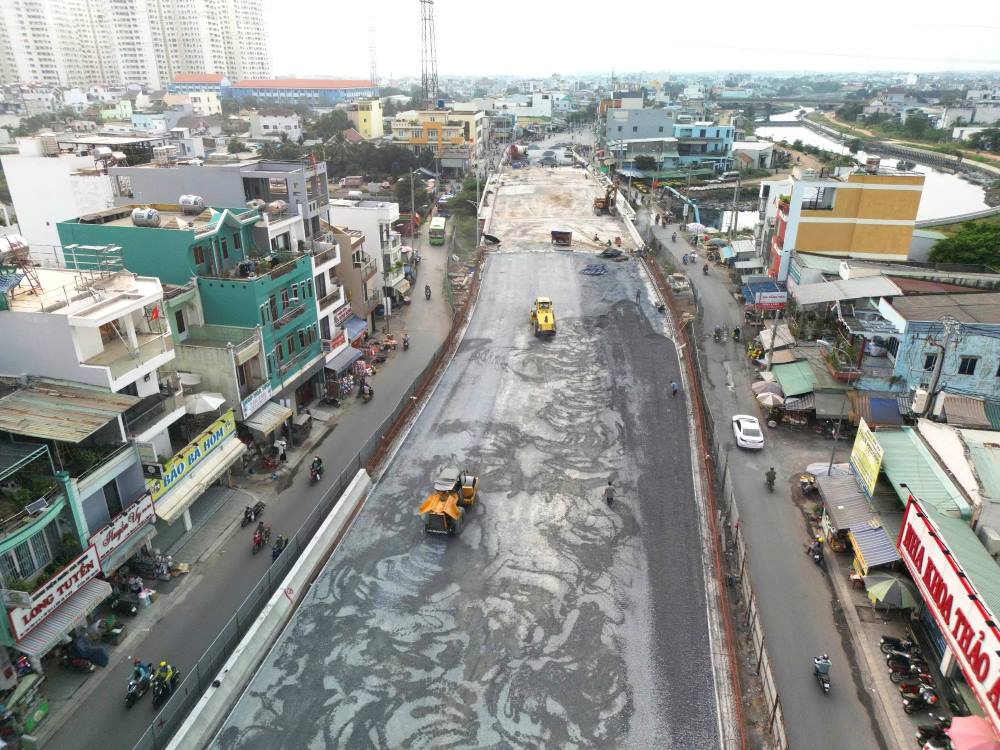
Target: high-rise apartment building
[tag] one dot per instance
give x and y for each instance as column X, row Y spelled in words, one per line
column 80, row 42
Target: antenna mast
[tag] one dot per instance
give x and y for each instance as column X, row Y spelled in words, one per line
column 372, row 61
column 428, row 54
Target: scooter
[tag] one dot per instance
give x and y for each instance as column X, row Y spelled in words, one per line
column 331, row 401
column 367, row 394
column 736, row 335
column 906, row 668
column 260, row 538
column 250, row 513
column 816, row 553
column 122, row 606
column 684, row 259
column 935, row 731
column 673, row 237
column 924, row 699
column 315, row 473
column 823, row 679
column 406, row 343
column 704, row 270
column 137, row 687
column 911, row 654
column 75, row 663
column 769, row 481
column 888, row 644
column 907, row 677
column 914, row 688
column 163, row 690
column 427, row 292
column 717, row 336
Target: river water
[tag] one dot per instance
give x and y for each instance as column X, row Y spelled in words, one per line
column 944, row 194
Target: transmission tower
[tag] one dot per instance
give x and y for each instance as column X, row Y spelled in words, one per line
column 428, row 54
column 372, row 61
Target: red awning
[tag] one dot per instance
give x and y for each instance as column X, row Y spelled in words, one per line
column 70, row 614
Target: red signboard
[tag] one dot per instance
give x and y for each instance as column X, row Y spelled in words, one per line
column 342, row 314
column 54, row 592
column 958, row 609
column 122, row 527
column 337, row 341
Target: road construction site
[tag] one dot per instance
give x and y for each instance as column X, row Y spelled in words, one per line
column 552, row 620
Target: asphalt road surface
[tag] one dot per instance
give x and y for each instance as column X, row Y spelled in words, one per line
column 552, row 621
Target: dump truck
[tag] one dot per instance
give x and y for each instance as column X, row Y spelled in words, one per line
column 443, row 512
column 543, row 317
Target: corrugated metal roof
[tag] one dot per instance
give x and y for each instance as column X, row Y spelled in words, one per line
column 830, row 404
column 963, row 411
column 845, row 503
column 795, row 378
column 54, row 411
column 877, row 408
column 800, row 403
column 969, row 552
column 907, row 461
column 965, row 308
column 874, row 546
column 924, row 286
column 993, row 414
column 844, row 289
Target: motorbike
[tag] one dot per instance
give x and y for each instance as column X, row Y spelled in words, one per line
column 907, row 668
column 162, row 690
column 136, row 688
column 924, row 699
column 75, row 663
column 807, row 485
column 122, row 606
column 250, row 513
column 823, row 679
column 367, row 394
column 769, row 481
column 888, row 644
column 331, row 401
column 816, row 553
column 914, row 688
column 427, row 292
column 260, row 538
column 406, row 343
column 935, row 731
column 911, row 654
column 717, row 336
column 917, row 674
column 673, row 237
column 736, row 335
column 315, row 473
column 684, row 259
column 704, row 270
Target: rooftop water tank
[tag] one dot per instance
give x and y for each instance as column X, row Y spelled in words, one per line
column 191, row 204
column 276, row 207
column 145, row 217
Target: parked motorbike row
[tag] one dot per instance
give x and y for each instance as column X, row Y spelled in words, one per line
column 909, row 670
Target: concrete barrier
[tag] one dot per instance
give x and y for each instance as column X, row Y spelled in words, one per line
column 206, row 718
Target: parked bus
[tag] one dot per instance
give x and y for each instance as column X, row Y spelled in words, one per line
column 437, row 230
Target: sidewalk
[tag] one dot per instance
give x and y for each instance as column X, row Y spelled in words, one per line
column 180, row 626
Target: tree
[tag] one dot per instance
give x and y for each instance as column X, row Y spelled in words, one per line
column 229, row 105
column 986, row 140
column 402, row 193
column 975, row 243
column 644, row 163
column 330, row 124
column 464, row 203
column 236, row 146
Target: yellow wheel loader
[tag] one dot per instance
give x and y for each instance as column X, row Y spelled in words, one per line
column 543, row 317
column 443, row 512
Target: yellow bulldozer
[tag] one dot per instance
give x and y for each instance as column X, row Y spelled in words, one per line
column 606, row 205
column 443, row 512
column 543, row 317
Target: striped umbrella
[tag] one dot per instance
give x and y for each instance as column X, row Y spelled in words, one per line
column 891, row 591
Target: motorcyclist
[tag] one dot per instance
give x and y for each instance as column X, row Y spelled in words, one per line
column 279, row 545
column 317, row 465
column 821, row 665
column 165, row 673
column 427, row 290
column 673, row 237
column 406, row 341
column 704, row 269
column 718, row 333
column 736, row 334
column 141, row 672
column 769, row 476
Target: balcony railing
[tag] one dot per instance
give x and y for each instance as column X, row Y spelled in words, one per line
column 211, row 336
column 325, row 256
column 170, row 292
column 290, row 314
column 332, row 298
column 151, row 410
column 294, row 363
column 120, row 359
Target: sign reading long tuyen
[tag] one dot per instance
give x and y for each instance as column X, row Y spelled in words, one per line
column 55, row 591
column 958, row 609
column 191, row 455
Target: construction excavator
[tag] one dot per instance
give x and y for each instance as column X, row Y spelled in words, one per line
column 606, row 205
column 543, row 317
column 443, row 512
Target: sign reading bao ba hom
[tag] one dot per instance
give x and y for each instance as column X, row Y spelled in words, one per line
column 964, row 621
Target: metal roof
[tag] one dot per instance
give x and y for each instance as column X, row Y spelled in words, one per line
column 963, row 411
column 782, row 336
column 874, row 545
column 877, row 408
column 55, row 411
column 907, row 461
column 795, row 378
column 966, row 308
column 980, row 568
column 845, row 503
column 830, row 405
column 843, row 289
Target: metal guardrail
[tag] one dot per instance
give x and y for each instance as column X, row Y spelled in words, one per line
column 289, row 315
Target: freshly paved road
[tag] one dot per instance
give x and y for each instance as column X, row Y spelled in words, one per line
column 553, row 621
column 795, row 599
column 201, row 606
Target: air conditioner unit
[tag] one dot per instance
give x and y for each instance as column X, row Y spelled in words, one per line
column 919, row 404
column 990, row 538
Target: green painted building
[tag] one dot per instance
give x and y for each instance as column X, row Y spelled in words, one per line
column 239, row 286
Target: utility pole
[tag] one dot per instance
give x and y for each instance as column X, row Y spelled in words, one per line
column 732, row 219
column 951, row 328
column 770, row 349
column 413, row 213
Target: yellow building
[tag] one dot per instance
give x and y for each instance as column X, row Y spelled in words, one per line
column 867, row 212
column 366, row 117
column 433, row 130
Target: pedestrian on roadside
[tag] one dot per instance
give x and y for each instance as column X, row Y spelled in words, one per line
column 637, row 296
column 673, row 387
column 609, row 494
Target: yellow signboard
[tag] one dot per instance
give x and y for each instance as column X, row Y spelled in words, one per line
column 191, row 455
column 866, row 457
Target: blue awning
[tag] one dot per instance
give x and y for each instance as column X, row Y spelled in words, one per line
column 355, row 326
column 727, row 252
column 344, row 360
column 873, row 546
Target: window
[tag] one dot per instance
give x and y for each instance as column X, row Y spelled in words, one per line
column 225, row 247
column 179, row 325
column 930, row 361
column 263, row 315
column 281, row 352
column 635, row 128
column 967, row 365
column 290, row 341
column 284, row 299
column 619, row 128
column 324, row 328
column 199, row 255
column 302, row 339
column 237, row 241
column 661, row 128
column 113, row 498
column 274, row 307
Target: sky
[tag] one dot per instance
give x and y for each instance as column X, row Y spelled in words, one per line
column 535, row 38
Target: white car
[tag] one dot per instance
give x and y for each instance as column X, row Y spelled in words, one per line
column 747, row 432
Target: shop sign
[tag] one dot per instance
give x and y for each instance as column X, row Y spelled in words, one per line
column 54, row 592
column 770, row 300
column 256, row 399
column 866, row 457
column 342, row 314
column 337, row 341
column 122, row 527
column 957, row 607
column 191, row 455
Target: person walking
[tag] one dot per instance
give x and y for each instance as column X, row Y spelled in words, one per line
column 609, row 494
column 637, row 296
column 673, row 387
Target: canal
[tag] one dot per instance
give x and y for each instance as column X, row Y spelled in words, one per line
column 944, row 194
